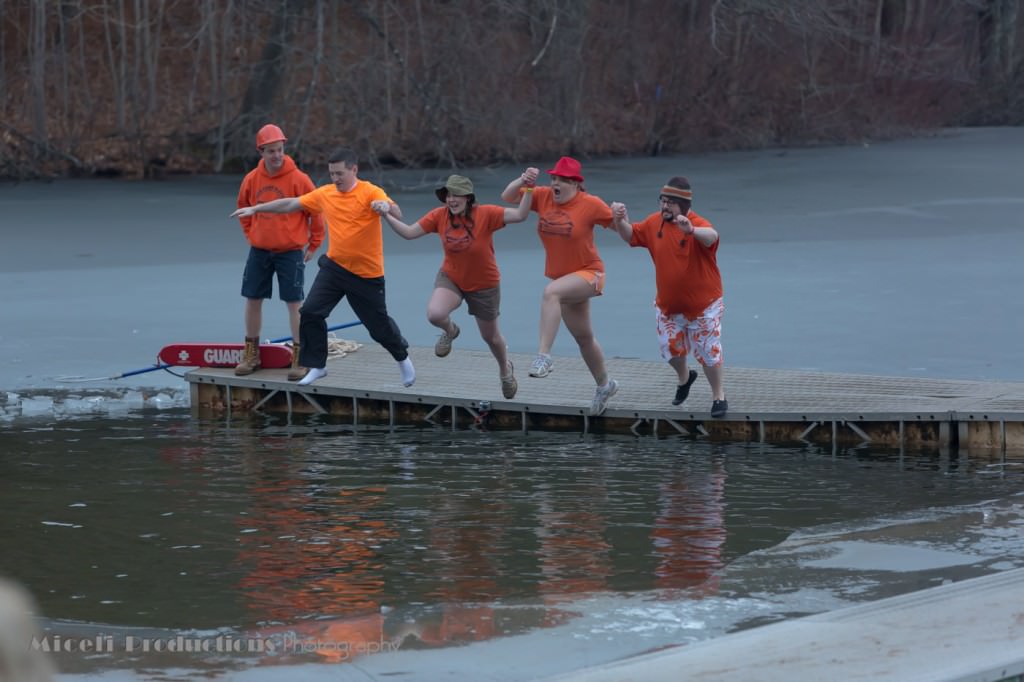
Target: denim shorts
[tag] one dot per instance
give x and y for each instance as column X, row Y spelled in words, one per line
column 258, row 279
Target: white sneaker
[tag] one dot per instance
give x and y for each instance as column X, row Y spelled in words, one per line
column 542, row 366
column 601, row 397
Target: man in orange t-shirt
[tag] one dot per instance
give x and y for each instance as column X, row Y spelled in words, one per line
column 469, row 270
column 566, row 217
column 353, row 265
column 278, row 244
column 688, row 306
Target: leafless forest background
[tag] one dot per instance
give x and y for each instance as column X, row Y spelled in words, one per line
column 141, row 88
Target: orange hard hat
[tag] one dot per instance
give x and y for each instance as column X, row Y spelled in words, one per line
column 269, row 133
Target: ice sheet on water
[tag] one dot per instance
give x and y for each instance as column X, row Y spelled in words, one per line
column 66, row 404
column 878, row 558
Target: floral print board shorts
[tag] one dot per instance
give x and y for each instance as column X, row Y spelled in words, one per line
column 677, row 335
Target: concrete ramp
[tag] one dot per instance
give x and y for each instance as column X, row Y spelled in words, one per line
column 970, row 630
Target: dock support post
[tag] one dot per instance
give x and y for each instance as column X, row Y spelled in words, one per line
column 268, row 396
column 430, row 415
column 678, row 427
column 859, row 431
column 803, row 435
column 316, row 406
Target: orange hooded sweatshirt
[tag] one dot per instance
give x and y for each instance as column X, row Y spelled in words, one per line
column 279, row 232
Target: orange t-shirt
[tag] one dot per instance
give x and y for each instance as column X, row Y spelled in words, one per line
column 567, row 231
column 355, row 240
column 685, row 271
column 468, row 245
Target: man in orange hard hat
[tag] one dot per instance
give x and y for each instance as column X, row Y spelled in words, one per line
column 279, row 244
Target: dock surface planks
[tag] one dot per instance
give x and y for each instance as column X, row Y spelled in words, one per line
column 761, row 401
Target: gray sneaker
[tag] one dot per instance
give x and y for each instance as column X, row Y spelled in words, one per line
column 541, row 366
column 601, row 397
column 444, row 342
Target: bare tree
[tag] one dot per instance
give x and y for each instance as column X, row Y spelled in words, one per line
column 314, row 75
column 258, row 102
column 997, row 22
column 37, row 66
column 442, row 83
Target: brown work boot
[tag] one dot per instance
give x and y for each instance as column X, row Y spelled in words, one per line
column 509, row 385
column 444, row 342
column 297, row 371
column 250, row 357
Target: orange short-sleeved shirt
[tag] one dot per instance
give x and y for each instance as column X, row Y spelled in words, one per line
column 567, row 231
column 685, row 271
column 468, row 245
column 354, row 234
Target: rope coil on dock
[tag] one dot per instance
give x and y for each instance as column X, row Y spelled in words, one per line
column 339, row 348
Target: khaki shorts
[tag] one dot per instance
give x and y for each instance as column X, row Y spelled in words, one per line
column 482, row 304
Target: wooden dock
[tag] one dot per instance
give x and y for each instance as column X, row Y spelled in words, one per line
column 772, row 406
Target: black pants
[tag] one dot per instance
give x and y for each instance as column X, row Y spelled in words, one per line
column 366, row 296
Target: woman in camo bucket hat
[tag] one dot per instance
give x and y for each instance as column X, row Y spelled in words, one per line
column 469, row 272
column 458, row 185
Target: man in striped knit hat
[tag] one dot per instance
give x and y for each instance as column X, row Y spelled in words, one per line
column 688, row 303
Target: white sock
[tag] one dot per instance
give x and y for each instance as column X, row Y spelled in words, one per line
column 312, row 375
column 408, row 372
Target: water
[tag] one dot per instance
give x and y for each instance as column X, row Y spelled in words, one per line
column 474, row 555
column 156, row 526
column 885, row 259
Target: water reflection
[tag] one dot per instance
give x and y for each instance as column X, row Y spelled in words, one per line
column 343, row 542
column 304, row 550
column 688, row 533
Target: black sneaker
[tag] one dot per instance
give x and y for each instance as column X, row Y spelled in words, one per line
column 719, row 408
column 683, row 391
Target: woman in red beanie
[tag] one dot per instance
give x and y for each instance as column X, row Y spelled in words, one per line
column 567, row 214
